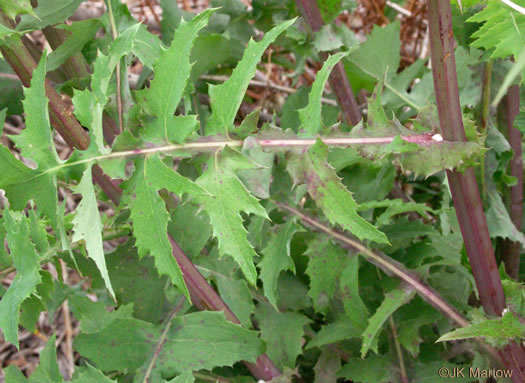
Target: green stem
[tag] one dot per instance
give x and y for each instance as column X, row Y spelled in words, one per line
column 485, row 114
column 114, row 33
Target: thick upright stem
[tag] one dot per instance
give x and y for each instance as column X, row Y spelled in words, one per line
column 464, row 188
column 508, row 109
column 338, row 78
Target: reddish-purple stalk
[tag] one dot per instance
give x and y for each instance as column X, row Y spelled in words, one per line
column 464, row 188
column 338, row 78
column 508, row 109
column 68, row 127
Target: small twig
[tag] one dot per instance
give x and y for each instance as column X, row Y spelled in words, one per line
column 514, row 6
column 398, row 8
column 399, row 351
column 162, row 339
column 68, row 329
column 114, row 33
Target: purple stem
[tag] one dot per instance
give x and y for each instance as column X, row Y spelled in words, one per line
column 464, row 188
column 338, row 78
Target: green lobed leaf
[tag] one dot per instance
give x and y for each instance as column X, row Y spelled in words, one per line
column 80, row 33
column 185, row 377
column 282, row 333
column 327, row 366
column 26, row 263
column 339, row 330
column 499, row 222
column 277, row 258
column 355, row 308
column 374, row 369
column 190, row 228
column 89, row 104
column 310, row 116
column 326, row 189
column 150, row 224
column 137, row 281
column 225, row 99
column 497, row 332
column 257, row 181
column 87, row 225
column 393, row 300
column 91, row 375
column 236, row 294
column 47, row 370
column 12, row 8
column 201, row 340
column 229, row 199
column 393, row 208
column 325, row 263
column 48, row 12
column 502, row 30
column 172, row 71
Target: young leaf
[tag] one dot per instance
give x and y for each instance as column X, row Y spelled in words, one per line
column 326, row 189
column 172, row 71
column 26, row 262
column 282, row 332
column 497, row 332
column 225, row 99
column 229, row 199
column 201, row 340
column 393, row 300
column 89, row 104
column 325, row 263
column 88, row 226
column 310, row 116
column 150, row 226
column 277, row 258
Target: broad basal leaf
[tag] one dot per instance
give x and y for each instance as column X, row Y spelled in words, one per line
column 26, row 263
column 282, row 333
column 277, row 258
column 326, row 189
column 172, row 72
column 88, row 226
column 89, row 104
column 311, row 122
column 497, row 332
column 149, row 215
column 393, row 300
column 229, row 199
column 226, row 98
column 201, row 340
